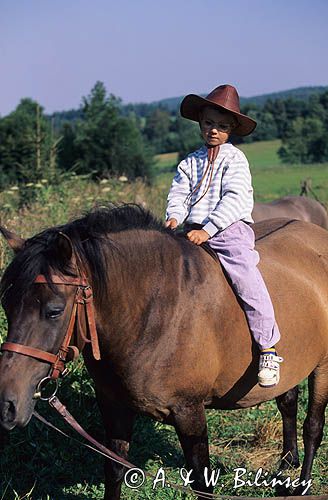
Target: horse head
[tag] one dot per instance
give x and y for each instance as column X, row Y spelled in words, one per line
column 38, row 314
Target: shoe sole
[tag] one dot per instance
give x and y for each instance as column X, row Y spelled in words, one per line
column 269, row 385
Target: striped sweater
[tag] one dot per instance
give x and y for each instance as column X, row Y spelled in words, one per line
column 228, row 199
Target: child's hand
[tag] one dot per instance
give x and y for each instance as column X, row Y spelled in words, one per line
column 171, row 223
column 198, row 236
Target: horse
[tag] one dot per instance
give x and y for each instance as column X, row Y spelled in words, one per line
column 293, row 207
column 171, row 337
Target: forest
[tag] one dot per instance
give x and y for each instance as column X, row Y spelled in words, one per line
column 104, row 138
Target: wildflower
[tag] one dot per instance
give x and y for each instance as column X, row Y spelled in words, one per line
column 123, row 178
column 29, row 184
column 14, row 188
column 44, row 181
column 38, row 185
column 106, row 189
column 103, row 181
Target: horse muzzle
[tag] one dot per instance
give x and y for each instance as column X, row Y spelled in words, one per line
column 10, row 415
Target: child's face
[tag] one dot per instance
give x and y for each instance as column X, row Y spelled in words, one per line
column 215, row 126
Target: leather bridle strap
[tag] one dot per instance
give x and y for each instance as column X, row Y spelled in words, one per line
column 83, row 299
column 61, row 280
column 32, row 352
column 86, row 300
column 100, row 448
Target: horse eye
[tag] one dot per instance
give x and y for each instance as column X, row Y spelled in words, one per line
column 54, row 313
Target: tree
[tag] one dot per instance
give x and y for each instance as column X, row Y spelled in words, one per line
column 107, row 143
column 157, row 129
column 189, row 137
column 306, row 141
column 277, row 108
column 266, row 126
column 67, row 150
column 128, row 154
column 25, row 141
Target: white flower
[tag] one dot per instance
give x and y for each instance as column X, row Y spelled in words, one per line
column 123, row 178
column 14, row 188
column 29, row 184
column 44, row 181
column 38, row 185
column 106, row 190
column 103, row 181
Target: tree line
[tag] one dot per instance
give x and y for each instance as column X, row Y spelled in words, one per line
column 101, row 142
column 104, row 138
column 301, row 125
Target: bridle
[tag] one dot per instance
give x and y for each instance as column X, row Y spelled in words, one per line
column 83, row 302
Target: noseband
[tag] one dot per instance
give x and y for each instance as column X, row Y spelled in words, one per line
column 83, row 301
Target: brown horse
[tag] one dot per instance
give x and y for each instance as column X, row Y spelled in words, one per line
column 173, row 338
column 292, row 207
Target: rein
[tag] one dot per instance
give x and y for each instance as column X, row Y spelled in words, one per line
column 103, row 450
column 83, row 304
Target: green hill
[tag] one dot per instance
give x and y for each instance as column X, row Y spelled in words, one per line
column 303, row 93
column 172, row 103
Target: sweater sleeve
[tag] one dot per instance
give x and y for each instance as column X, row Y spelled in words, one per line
column 177, row 206
column 236, row 195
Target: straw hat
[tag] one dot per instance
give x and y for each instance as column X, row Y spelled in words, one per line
column 224, row 98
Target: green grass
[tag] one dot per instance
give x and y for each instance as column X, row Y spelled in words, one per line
column 36, row 463
column 262, row 154
column 259, row 154
column 274, row 182
column 271, row 178
column 59, row 469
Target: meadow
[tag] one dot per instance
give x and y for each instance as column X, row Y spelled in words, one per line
column 36, row 463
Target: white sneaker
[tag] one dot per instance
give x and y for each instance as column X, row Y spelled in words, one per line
column 269, row 370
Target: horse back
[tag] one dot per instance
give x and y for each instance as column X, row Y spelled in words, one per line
column 298, row 207
column 294, row 265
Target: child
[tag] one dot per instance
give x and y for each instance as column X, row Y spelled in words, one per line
column 212, row 188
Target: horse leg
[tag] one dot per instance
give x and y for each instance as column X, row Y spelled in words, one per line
column 314, row 422
column 191, row 427
column 118, row 423
column 287, row 405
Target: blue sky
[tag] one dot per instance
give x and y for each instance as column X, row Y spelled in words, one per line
column 55, row 50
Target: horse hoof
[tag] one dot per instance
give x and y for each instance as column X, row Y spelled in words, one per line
column 299, row 491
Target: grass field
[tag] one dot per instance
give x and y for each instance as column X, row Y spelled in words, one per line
column 271, row 178
column 36, row 463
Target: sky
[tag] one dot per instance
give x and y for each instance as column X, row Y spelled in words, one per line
column 54, row 51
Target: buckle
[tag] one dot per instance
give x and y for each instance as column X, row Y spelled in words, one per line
column 41, row 387
column 87, row 293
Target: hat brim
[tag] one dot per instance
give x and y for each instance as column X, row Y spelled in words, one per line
column 192, row 105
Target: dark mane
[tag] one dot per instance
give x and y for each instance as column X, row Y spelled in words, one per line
column 87, row 234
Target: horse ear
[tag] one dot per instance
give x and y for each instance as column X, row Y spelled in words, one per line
column 15, row 242
column 65, row 247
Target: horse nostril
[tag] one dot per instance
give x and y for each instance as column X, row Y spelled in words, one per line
column 8, row 412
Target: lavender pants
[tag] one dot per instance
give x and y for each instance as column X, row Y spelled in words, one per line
column 234, row 247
